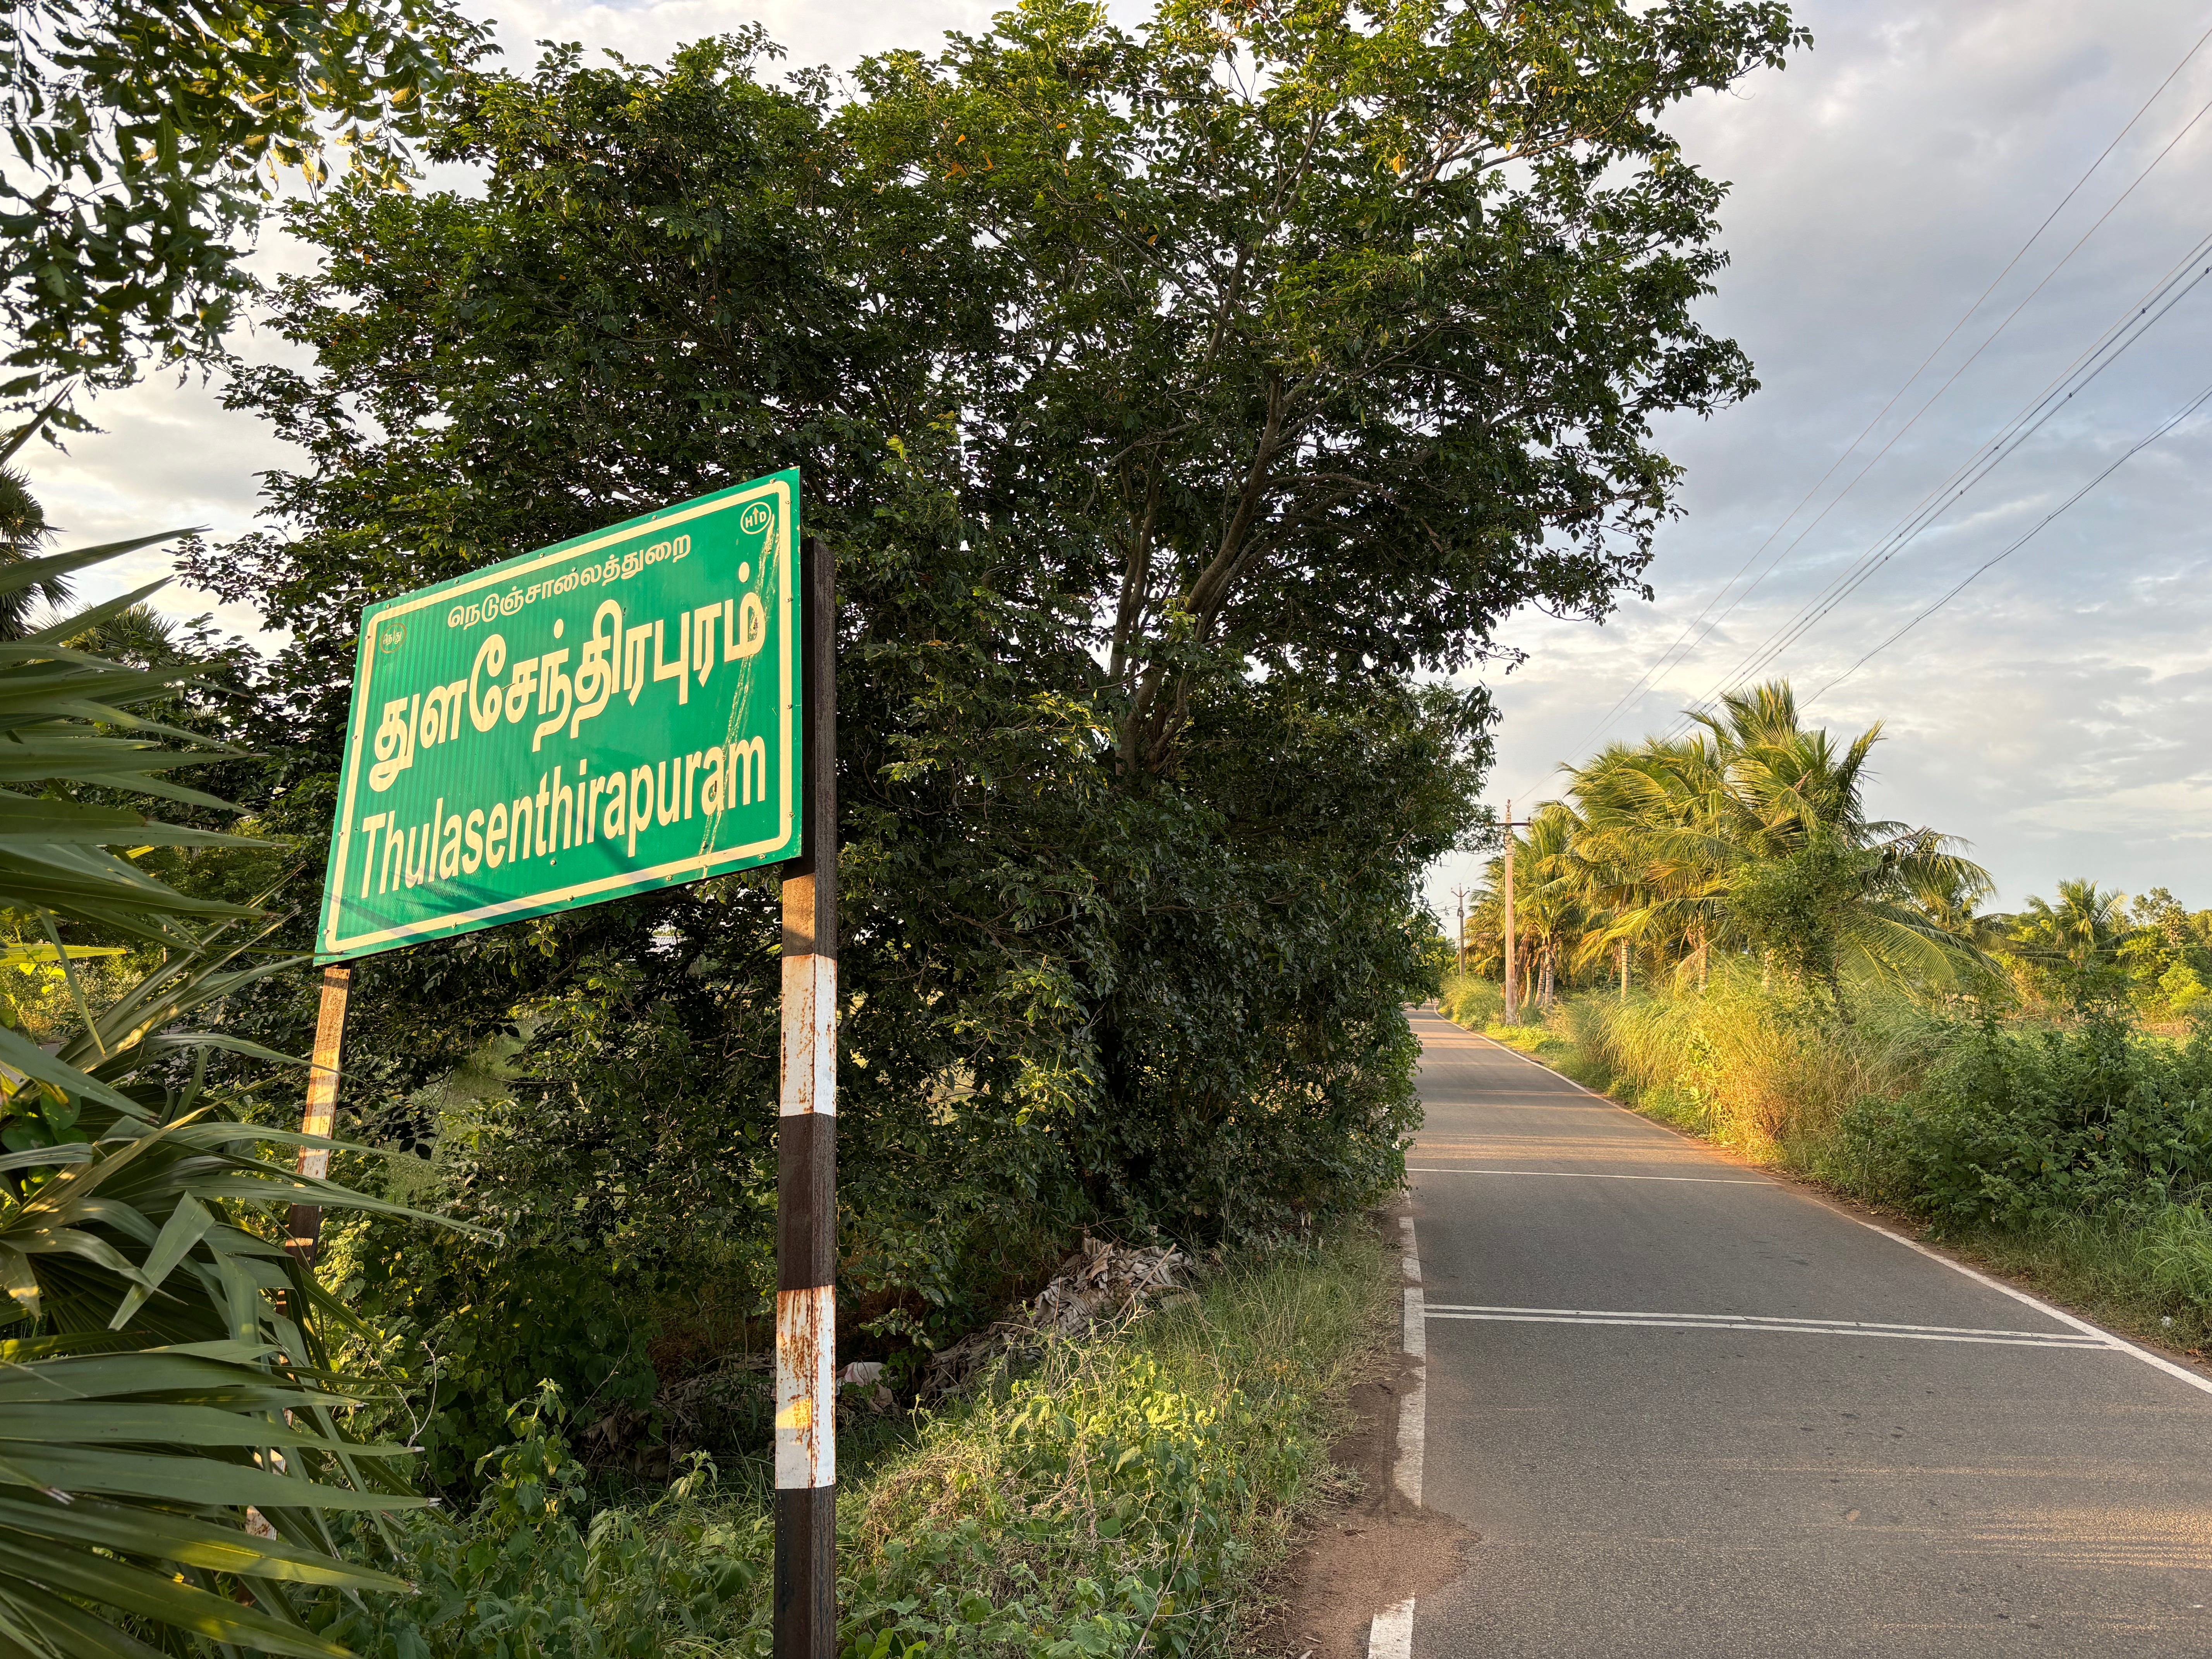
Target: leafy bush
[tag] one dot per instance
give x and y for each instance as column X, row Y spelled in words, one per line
column 1101, row 1493
column 533, row 1572
column 2015, row 1129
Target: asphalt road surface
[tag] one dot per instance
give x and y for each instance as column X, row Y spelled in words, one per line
column 1689, row 1410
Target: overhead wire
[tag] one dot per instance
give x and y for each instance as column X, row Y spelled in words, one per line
column 1880, row 554
column 2006, row 552
column 1669, row 654
column 2125, row 330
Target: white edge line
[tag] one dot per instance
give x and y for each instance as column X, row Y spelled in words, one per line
column 2072, row 1344
column 2195, row 1380
column 1740, row 1318
column 1413, row 1403
column 1391, row 1635
column 1587, row 1174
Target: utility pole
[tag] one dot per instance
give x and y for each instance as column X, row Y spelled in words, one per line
column 1512, row 997
column 806, row 1581
column 1460, row 894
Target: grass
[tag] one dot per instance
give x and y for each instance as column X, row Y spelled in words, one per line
column 1123, row 1494
column 1778, row 1083
column 1128, row 1489
column 1480, row 1005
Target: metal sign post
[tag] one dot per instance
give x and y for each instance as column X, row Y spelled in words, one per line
column 806, row 1170
column 651, row 704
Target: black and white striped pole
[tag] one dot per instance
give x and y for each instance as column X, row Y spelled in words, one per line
column 806, row 1166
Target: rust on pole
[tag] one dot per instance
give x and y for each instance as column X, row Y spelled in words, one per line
column 321, row 1115
column 805, row 1612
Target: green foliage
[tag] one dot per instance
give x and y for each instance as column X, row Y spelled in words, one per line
column 1277, row 378
column 148, row 134
column 2089, row 948
column 164, row 1382
column 2016, row 1129
column 534, row 1572
column 1118, row 1488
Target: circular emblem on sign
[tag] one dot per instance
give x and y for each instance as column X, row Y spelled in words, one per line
column 756, row 518
column 389, row 636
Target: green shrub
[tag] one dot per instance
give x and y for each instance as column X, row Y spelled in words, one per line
column 2020, row 1128
column 1109, row 1490
column 533, row 1572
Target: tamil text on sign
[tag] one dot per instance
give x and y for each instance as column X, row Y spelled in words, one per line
column 614, row 713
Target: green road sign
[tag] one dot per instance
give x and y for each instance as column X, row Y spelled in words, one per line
column 613, row 714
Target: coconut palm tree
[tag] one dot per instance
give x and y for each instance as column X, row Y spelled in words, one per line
column 1752, row 834
column 2083, row 928
column 24, row 532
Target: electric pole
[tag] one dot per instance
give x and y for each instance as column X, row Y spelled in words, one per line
column 1512, row 998
column 1459, row 894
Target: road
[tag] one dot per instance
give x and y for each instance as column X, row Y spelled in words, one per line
column 1899, row 1461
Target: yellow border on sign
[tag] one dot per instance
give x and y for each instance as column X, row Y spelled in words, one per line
column 706, row 865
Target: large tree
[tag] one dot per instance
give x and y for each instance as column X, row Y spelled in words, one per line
column 1317, row 334
column 1133, row 851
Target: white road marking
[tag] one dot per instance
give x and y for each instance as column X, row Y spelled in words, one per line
column 1761, row 1319
column 1413, row 1404
column 1391, row 1635
column 1590, row 1175
column 2195, row 1380
column 1783, row 1326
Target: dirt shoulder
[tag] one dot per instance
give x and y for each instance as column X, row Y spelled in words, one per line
column 1372, row 1549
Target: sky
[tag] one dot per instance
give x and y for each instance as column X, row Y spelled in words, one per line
column 1892, row 204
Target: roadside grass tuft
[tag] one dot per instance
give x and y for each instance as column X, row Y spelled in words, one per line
column 1123, row 1494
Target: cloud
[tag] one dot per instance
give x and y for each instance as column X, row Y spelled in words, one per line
column 2052, row 714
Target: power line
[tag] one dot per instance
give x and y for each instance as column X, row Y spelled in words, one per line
column 2083, row 372
column 1994, row 559
column 1978, row 466
column 1664, row 657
